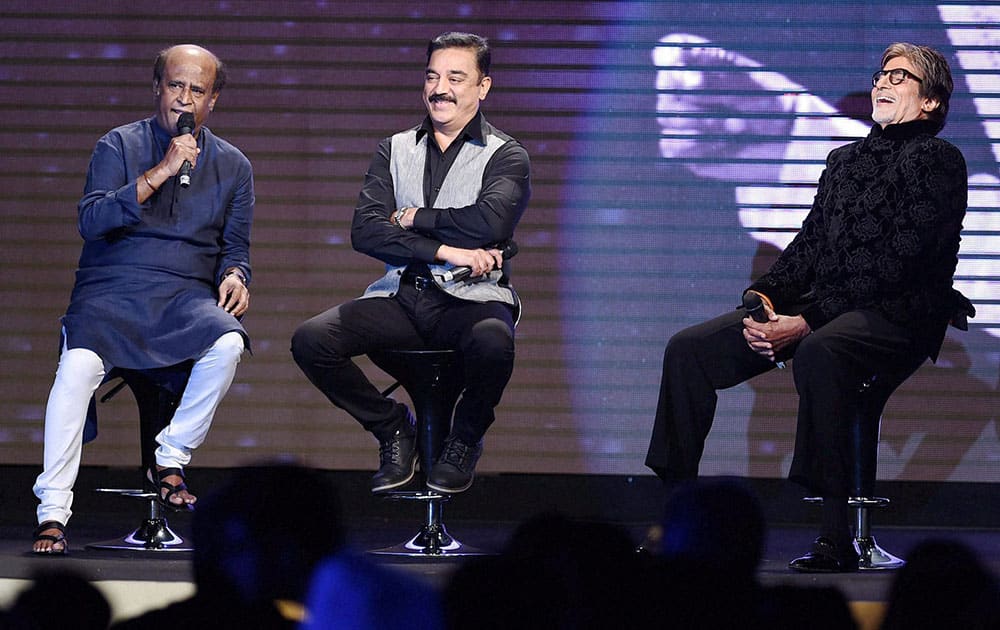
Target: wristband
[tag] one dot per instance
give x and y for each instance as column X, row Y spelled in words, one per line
column 149, row 183
column 766, row 300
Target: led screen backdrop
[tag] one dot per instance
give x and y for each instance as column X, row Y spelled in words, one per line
column 675, row 148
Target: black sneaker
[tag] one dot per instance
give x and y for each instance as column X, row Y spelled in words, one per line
column 397, row 457
column 455, row 467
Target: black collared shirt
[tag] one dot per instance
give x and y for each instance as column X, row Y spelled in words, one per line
column 502, row 199
column 438, row 163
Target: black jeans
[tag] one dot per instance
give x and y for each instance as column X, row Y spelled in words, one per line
column 828, row 366
column 412, row 319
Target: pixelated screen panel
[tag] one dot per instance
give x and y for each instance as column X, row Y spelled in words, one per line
column 675, row 148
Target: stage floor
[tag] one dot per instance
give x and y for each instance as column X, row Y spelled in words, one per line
column 138, row 581
column 135, row 582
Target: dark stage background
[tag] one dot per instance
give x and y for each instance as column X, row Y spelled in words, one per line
column 675, row 147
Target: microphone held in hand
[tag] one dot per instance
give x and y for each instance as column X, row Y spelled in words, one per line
column 754, row 306
column 185, row 124
column 755, row 310
column 461, row 273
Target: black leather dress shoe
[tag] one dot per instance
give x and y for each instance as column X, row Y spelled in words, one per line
column 455, row 468
column 397, row 461
column 827, row 557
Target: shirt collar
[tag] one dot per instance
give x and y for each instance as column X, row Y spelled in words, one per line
column 162, row 135
column 906, row 130
column 472, row 131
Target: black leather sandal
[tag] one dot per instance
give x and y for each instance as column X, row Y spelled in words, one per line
column 159, row 485
column 55, row 540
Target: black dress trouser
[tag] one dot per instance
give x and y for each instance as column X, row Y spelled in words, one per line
column 828, row 366
column 413, row 319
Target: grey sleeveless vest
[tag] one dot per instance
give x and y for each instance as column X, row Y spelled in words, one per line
column 460, row 188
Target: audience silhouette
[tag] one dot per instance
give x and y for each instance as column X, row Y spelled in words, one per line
column 713, row 539
column 943, row 585
column 270, row 552
column 257, row 540
column 553, row 573
column 58, row 600
column 350, row 591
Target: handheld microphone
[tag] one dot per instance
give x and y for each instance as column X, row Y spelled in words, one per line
column 755, row 309
column 461, row 273
column 185, row 124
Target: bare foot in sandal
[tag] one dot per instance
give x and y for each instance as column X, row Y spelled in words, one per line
column 173, row 491
column 50, row 538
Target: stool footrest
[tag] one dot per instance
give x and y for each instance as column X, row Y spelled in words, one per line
column 856, row 502
column 134, row 493
column 867, row 502
column 405, row 495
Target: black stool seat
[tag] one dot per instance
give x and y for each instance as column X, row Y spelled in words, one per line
column 157, row 394
column 433, row 379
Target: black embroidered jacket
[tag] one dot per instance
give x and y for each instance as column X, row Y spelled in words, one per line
column 882, row 234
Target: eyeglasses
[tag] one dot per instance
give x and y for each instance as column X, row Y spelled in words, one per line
column 896, row 76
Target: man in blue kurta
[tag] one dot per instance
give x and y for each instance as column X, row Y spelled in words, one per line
column 162, row 279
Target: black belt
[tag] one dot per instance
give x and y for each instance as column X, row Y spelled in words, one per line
column 418, row 282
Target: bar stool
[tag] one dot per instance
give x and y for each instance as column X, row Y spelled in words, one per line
column 873, row 395
column 157, row 393
column 433, row 379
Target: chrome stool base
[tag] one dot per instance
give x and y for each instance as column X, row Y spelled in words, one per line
column 433, row 540
column 153, row 534
column 871, row 557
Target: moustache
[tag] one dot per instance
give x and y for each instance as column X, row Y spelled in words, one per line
column 435, row 98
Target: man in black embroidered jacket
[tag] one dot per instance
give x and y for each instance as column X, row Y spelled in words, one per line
column 447, row 193
column 864, row 289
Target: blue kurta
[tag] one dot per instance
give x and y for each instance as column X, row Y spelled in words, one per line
column 146, row 288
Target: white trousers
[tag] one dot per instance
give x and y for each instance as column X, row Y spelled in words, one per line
column 78, row 376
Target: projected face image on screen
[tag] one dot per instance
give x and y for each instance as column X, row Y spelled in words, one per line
column 746, row 109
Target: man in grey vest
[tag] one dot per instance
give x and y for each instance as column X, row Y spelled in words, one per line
column 446, row 193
